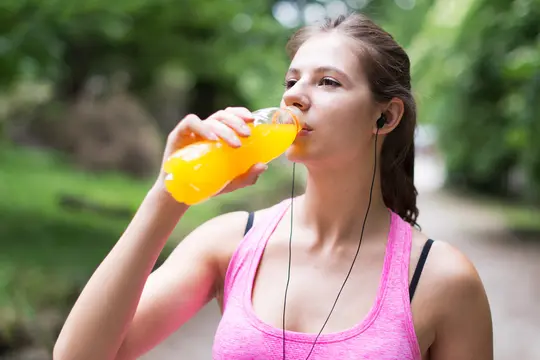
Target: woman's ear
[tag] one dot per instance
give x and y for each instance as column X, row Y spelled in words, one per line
column 392, row 115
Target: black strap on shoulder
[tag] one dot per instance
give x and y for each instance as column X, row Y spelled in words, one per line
column 249, row 223
column 419, row 268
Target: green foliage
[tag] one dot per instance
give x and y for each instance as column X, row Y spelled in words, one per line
column 403, row 24
column 48, row 251
column 66, row 42
column 481, row 88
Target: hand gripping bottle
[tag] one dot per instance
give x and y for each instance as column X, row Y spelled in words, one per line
column 202, row 169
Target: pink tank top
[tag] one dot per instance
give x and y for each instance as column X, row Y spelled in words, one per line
column 386, row 333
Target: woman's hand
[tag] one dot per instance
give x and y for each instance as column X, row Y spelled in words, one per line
column 227, row 125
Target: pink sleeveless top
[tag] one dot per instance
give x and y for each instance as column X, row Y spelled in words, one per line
column 386, row 333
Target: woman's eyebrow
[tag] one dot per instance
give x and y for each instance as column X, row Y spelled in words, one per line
column 320, row 69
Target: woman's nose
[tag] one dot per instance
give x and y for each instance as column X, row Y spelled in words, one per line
column 295, row 96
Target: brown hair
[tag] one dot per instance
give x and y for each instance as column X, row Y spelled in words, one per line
column 387, row 68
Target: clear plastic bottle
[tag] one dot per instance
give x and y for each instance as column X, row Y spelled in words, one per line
column 202, row 169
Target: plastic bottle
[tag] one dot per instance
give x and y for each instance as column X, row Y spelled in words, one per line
column 202, row 169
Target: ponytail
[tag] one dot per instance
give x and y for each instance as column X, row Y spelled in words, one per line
column 397, row 173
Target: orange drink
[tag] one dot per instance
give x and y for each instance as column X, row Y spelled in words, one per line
column 202, row 169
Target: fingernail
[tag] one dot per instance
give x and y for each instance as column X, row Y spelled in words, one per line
column 236, row 141
column 246, row 130
column 213, row 136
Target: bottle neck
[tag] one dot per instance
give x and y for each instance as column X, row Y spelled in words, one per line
column 290, row 115
column 295, row 117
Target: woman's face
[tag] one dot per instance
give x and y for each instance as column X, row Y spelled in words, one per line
column 325, row 80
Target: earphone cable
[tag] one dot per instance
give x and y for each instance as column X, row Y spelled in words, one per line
column 289, row 265
column 353, row 262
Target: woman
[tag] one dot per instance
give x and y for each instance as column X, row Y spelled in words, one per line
column 351, row 80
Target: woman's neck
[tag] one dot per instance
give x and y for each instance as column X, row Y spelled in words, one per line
column 335, row 203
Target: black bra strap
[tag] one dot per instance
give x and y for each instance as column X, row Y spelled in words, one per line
column 249, row 224
column 419, row 268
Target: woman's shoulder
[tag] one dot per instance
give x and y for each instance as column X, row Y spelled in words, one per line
column 231, row 226
column 451, row 300
column 450, row 285
column 221, row 236
column 445, row 264
column 223, row 233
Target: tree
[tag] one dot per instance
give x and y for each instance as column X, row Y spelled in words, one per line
column 479, row 85
column 67, row 42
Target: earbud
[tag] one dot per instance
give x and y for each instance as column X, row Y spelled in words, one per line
column 381, row 121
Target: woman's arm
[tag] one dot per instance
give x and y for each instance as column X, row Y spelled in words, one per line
column 464, row 329
column 98, row 322
column 119, row 314
column 185, row 282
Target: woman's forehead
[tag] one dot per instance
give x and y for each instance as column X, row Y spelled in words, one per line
column 327, row 50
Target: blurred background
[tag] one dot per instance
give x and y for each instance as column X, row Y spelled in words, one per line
column 90, row 88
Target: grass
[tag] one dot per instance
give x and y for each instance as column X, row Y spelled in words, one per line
column 47, row 252
column 520, row 216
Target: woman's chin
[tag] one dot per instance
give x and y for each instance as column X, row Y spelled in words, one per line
column 297, row 153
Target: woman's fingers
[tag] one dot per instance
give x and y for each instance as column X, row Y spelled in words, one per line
column 192, row 124
column 235, row 122
column 228, row 125
column 241, row 112
column 223, row 131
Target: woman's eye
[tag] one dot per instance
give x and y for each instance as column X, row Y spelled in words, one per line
column 329, row 82
column 289, row 83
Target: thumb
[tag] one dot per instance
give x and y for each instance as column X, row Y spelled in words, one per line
column 258, row 169
column 251, row 176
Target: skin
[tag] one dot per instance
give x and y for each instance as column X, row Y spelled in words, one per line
column 124, row 311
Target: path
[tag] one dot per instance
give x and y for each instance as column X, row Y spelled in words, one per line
column 509, row 268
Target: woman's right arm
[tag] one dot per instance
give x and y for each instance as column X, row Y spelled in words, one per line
column 123, row 311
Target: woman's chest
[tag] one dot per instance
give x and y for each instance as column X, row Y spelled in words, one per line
column 364, row 306
column 352, row 320
column 314, row 296
column 239, row 338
